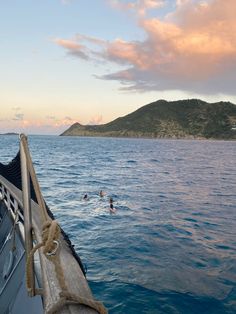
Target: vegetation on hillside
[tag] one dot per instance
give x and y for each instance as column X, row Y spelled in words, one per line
column 191, row 118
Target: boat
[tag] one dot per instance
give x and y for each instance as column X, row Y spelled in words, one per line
column 40, row 272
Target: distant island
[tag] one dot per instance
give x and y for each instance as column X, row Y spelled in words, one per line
column 9, row 133
column 192, row 118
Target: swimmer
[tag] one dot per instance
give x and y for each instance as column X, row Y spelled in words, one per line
column 112, row 209
column 85, row 196
column 101, row 193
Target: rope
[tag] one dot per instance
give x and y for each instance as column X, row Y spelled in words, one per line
column 66, row 299
column 50, row 234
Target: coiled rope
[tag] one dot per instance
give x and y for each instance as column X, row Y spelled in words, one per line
column 50, row 235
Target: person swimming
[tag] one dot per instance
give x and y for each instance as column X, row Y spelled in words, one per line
column 85, row 196
column 112, row 209
column 101, row 193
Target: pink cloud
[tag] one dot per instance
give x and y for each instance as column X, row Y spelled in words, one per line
column 49, row 125
column 139, row 6
column 73, row 48
column 192, row 48
column 96, row 120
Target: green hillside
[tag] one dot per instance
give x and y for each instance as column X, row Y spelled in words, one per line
column 162, row 119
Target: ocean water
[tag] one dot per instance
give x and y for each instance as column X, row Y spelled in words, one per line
column 171, row 246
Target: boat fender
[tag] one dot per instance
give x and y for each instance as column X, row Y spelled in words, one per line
column 7, row 268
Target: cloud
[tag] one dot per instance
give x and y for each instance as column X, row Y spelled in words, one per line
column 51, row 117
column 82, row 46
column 18, row 117
column 96, row 120
column 16, row 108
column 140, row 7
column 73, row 48
column 68, row 118
column 192, row 48
column 55, row 123
column 53, row 126
column 64, row 122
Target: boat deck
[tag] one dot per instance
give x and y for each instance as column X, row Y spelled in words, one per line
column 13, row 291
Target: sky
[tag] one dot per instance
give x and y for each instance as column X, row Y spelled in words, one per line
column 92, row 61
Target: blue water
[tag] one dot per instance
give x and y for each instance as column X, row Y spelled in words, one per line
column 171, row 246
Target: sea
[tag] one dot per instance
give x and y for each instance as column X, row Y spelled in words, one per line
column 170, row 247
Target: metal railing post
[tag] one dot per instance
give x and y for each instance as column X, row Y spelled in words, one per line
column 27, row 209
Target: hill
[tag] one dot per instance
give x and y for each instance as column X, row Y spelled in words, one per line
column 191, row 118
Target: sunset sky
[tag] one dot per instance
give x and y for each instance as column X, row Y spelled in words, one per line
column 66, row 61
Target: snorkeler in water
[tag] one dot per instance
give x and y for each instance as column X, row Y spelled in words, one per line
column 112, row 209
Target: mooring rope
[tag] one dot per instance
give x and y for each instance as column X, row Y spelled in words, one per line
column 50, row 235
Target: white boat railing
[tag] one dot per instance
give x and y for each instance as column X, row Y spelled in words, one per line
column 12, row 201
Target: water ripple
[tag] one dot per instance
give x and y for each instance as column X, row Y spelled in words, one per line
column 170, row 247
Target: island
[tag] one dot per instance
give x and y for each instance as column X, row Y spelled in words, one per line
column 9, row 133
column 191, row 118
